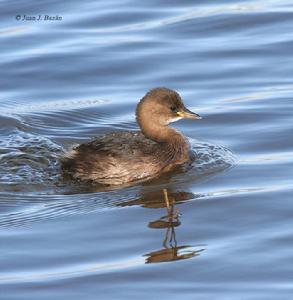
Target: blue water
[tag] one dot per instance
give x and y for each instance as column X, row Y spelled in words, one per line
column 68, row 80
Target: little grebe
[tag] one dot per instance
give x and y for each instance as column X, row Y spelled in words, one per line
column 122, row 157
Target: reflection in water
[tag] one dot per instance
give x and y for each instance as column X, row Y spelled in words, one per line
column 171, row 251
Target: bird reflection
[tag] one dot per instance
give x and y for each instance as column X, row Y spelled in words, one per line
column 171, row 250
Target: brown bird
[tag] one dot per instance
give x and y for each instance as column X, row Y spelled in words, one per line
column 128, row 156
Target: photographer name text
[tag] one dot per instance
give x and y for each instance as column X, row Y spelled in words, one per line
column 38, row 18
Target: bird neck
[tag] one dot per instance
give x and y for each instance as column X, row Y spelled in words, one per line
column 176, row 145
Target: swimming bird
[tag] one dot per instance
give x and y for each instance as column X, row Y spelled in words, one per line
column 128, row 156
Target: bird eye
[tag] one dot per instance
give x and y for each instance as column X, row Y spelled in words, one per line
column 173, row 108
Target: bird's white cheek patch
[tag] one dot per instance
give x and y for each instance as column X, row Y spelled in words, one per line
column 174, row 120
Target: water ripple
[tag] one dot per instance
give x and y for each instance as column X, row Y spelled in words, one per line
column 198, row 13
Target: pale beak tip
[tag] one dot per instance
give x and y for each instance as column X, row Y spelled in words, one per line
column 196, row 116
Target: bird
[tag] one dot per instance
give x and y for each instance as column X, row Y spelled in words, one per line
column 124, row 157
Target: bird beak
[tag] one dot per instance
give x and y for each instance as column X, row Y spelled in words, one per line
column 187, row 114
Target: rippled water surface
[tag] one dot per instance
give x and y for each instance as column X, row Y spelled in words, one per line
column 66, row 81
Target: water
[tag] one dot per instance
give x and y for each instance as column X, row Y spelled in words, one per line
column 65, row 81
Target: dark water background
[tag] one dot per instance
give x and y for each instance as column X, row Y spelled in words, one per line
column 64, row 82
